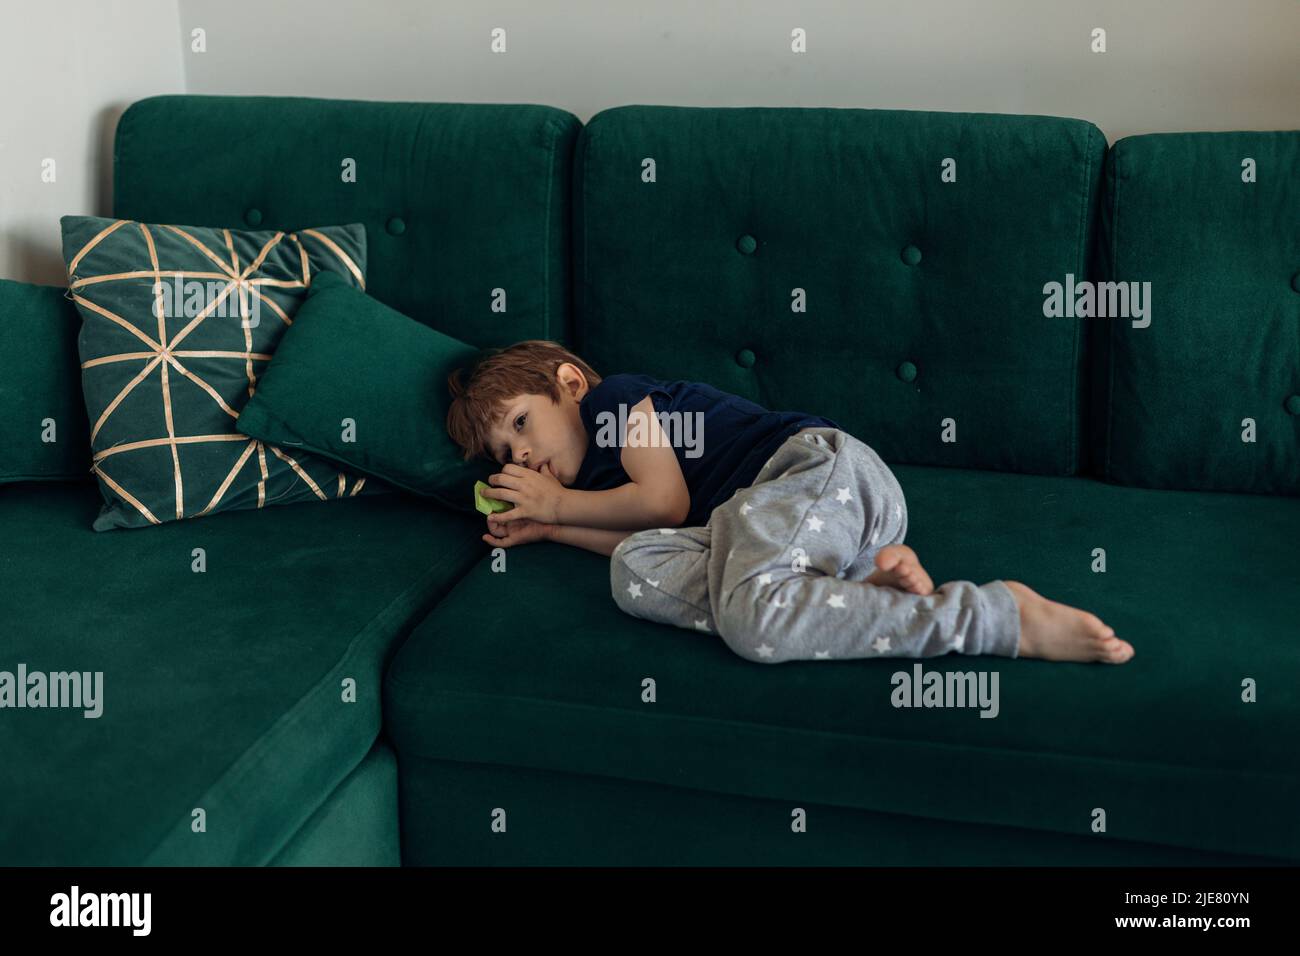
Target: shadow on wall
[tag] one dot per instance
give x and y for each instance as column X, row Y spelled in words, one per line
column 101, row 158
column 36, row 262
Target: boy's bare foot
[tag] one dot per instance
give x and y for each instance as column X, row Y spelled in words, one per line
column 1057, row 632
column 897, row 566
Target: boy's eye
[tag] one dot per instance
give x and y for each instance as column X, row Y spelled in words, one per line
column 519, row 424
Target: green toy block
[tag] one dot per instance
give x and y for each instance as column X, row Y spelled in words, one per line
column 488, row 506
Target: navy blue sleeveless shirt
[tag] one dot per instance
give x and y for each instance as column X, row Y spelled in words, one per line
column 721, row 440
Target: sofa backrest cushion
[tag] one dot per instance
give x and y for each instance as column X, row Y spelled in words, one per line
column 701, row 233
column 465, row 205
column 44, row 433
column 1203, row 393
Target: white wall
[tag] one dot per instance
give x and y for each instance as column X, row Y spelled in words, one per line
column 67, row 71
column 1170, row 64
column 69, row 67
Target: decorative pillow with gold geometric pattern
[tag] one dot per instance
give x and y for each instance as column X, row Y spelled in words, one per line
column 177, row 324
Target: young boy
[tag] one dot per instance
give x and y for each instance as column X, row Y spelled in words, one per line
column 777, row 531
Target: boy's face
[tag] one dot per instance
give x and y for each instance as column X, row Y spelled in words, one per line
column 540, row 434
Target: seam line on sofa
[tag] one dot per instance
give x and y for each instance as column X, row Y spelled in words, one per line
column 421, row 587
column 1081, row 267
column 546, row 231
column 1110, row 326
column 249, row 756
column 929, row 816
column 787, row 730
column 584, row 316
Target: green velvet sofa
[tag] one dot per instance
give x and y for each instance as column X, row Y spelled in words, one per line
column 885, row 268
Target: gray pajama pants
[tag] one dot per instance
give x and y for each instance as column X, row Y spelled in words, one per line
column 778, row 571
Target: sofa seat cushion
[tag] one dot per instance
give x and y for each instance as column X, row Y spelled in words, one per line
column 221, row 690
column 537, row 668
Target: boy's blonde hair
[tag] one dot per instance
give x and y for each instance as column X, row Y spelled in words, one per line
column 497, row 375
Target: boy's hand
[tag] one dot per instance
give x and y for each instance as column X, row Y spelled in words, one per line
column 535, row 494
column 508, row 534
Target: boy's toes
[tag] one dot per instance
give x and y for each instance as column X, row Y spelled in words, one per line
column 917, row 579
column 888, row 559
column 892, row 556
column 1096, row 627
column 1116, row 651
column 1108, row 647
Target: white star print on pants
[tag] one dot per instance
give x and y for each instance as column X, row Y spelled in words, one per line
column 779, row 571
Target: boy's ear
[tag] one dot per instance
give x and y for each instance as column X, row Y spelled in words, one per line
column 571, row 379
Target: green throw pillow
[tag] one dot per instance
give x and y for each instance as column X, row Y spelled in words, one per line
column 178, row 323
column 44, row 435
column 366, row 386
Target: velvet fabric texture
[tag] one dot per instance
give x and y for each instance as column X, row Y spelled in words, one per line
column 819, row 260
column 466, row 207
column 814, row 259
column 568, row 819
column 1164, row 743
column 1207, row 395
column 357, row 824
column 178, row 322
column 44, row 435
column 366, row 387
column 226, row 690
